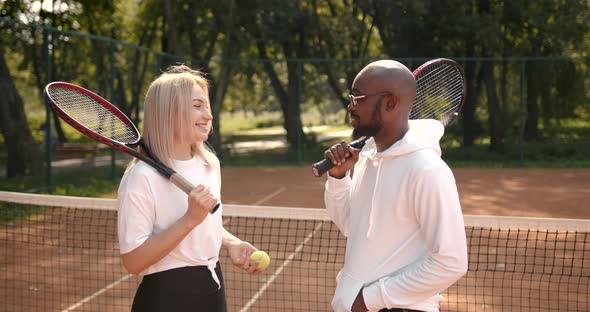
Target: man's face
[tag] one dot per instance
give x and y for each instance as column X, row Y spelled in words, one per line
column 365, row 112
column 367, row 121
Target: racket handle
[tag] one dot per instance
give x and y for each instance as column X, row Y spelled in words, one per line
column 181, row 182
column 187, row 187
column 324, row 165
column 214, row 209
column 321, row 167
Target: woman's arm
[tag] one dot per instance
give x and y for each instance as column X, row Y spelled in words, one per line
column 157, row 246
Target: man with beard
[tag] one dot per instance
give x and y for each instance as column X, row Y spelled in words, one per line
column 399, row 208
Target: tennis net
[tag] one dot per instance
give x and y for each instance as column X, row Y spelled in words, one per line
column 60, row 253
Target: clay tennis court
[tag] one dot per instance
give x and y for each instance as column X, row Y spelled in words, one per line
column 306, row 254
column 548, row 193
column 545, row 193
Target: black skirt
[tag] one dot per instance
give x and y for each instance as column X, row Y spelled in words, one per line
column 181, row 289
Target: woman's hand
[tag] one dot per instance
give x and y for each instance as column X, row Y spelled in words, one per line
column 239, row 251
column 200, row 202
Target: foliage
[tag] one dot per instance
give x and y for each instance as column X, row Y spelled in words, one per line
column 72, row 182
column 299, row 58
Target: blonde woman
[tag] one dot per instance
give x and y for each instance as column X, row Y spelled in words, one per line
column 170, row 240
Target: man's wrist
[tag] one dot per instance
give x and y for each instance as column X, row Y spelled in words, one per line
column 339, row 177
column 359, row 303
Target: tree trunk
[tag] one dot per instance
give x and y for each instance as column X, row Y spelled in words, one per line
column 170, row 40
column 171, row 30
column 220, row 90
column 218, row 93
column 469, row 107
column 531, row 132
column 23, row 153
column 292, row 119
column 289, row 100
column 140, row 67
column 494, row 112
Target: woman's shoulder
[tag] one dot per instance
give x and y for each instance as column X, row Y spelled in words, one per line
column 210, row 159
column 141, row 169
column 139, row 178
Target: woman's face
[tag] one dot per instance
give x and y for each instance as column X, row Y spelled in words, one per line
column 201, row 117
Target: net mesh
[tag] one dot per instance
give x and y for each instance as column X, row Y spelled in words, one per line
column 439, row 93
column 61, row 254
column 92, row 114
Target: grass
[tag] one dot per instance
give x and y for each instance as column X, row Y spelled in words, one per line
column 478, row 156
column 235, row 138
column 99, row 182
column 94, row 182
column 565, row 145
column 232, row 123
column 274, row 133
column 10, row 212
column 241, row 121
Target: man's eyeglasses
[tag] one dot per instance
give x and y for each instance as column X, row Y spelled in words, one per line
column 355, row 98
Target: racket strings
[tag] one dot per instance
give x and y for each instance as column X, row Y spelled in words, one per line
column 445, row 82
column 438, row 109
column 448, row 90
column 93, row 115
column 448, row 97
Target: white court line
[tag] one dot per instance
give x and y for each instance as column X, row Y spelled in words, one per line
column 103, row 290
column 98, row 293
column 269, row 196
column 280, row 269
column 126, row 277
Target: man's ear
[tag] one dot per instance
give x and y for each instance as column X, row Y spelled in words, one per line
column 391, row 102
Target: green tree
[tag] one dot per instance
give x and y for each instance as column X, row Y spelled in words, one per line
column 278, row 30
column 22, row 151
column 348, row 36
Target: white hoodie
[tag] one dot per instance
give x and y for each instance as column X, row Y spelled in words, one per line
column 402, row 218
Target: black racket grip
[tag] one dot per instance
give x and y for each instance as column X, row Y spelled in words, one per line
column 318, row 169
column 321, row 167
column 215, row 208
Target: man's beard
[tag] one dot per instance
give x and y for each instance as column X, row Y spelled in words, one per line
column 372, row 128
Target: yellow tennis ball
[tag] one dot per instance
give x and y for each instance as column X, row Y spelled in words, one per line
column 261, row 257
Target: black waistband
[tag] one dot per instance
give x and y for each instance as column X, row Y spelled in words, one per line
column 187, row 272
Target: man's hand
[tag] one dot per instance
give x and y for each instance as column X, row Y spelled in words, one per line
column 343, row 157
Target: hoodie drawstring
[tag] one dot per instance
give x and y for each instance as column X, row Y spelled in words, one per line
column 373, row 198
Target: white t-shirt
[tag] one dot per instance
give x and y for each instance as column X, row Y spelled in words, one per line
column 148, row 204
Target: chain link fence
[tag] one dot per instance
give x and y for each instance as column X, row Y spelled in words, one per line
column 518, row 109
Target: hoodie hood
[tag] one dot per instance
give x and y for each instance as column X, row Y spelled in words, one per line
column 422, row 134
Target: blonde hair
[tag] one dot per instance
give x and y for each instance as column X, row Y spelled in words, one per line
column 167, row 113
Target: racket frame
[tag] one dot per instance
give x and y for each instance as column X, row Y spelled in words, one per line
column 128, row 148
column 322, row 166
column 453, row 116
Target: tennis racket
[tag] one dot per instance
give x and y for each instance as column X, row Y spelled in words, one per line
column 440, row 94
column 101, row 121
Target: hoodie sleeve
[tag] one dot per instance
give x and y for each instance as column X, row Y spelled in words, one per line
column 438, row 211
column 337, row 200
